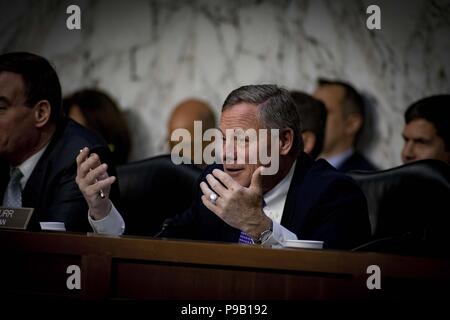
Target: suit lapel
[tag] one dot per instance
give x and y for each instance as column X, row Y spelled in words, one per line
column 35, row 189
column 33, row 192
column 303, row 164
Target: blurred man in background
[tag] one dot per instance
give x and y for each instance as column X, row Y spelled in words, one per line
column 427, row 130
column 97, row 111
column 313, row 115
column 183, row 117
column 345, row 120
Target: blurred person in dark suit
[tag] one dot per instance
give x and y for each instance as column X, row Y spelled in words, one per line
column 427, row 129
column 183, row 117
column 313, row 115
column 345, row 120
column 97, row 111
column 38, row 146
column 236, row 202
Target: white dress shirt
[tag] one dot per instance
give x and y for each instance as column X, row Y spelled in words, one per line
column 275, row 200
column 337, row 160
column 28, row 166
column 112, row 223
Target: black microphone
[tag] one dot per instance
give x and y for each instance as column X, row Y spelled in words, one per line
column 373, row 243
column 166, row 224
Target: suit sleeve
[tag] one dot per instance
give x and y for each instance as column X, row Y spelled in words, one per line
column 186, row 225
column 342, row 219
column 197, row 223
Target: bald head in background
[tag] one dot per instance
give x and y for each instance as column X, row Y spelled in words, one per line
column 184, row 115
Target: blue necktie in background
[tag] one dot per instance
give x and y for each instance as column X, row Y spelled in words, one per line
column 13, row 194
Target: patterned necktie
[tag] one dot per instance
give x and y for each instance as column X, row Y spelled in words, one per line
column 244, row 237
column 13, row 194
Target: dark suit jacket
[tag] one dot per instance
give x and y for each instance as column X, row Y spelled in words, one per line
column 51, row 189
column 322, row 204
column 356, row 162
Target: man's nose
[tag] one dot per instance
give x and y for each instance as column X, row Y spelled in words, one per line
column 229, row 151
column 408, row 152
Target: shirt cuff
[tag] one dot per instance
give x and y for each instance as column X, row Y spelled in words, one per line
column 112, row 224
column 279, row 235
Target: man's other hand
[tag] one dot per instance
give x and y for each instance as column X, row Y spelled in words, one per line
column 92, row 179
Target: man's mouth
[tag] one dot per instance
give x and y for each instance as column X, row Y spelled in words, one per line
column 233, row 170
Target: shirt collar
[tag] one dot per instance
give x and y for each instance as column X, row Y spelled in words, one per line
column 276, row 197
column 28, row 166
column 337, row 160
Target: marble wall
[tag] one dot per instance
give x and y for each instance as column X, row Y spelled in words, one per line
column 150, row 54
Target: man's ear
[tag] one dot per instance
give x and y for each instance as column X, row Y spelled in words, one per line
column 286, row 141
column 42, row 111
column 309, row 141
column 353, row 124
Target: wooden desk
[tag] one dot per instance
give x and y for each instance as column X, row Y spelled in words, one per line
column 35, row 264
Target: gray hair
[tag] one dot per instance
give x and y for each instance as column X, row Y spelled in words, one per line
column 276, row 109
